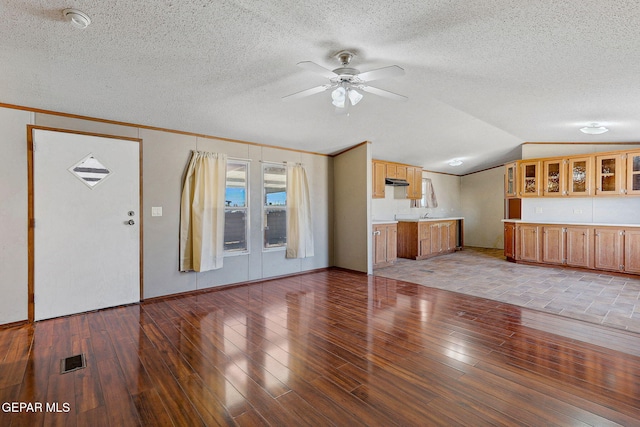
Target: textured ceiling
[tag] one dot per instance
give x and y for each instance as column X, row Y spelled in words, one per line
column 481, row 77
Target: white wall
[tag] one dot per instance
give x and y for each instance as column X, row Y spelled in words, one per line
column 483, row 207
column 615, row 210
column 165, row 157
column 13, row 215
column 352, row 209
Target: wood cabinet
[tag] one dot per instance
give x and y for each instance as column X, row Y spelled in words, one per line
column 424, row 239
column 633, row 173
column 632, row 251
column 609, row 249
column 580, row 176
column 510, row 240
column 615, row 173
column 553, row 244
column 379, row 175
column 510, row 180
column 555, row 177
column 579, row 246
column 382, row 170
column 414, row 177
column 610, row 174
column 385, row 244
column 530, row 178
column 528, row 243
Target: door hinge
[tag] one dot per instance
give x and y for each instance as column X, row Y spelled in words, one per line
column 33, row 146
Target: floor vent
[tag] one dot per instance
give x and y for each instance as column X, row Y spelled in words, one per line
column 72, row 363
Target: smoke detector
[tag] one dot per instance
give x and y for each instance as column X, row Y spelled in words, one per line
column 77, row 18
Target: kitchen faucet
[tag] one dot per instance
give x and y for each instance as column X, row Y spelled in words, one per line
column 425, row 215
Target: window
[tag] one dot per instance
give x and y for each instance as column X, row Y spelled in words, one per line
column 274, row 179
column 236, row 207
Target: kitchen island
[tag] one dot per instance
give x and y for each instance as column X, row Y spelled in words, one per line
column 427, row 237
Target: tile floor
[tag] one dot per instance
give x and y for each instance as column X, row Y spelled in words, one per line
column 609, row 300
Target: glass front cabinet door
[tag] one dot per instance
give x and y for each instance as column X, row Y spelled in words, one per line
column 510, row 180
column 554, row 177
column 530, row 179
column 609, row 177
column 580, row 176
column 633, row 173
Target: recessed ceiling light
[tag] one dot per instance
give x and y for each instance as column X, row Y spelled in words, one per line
column 78, row 19
column 455, row 162
column 594, row 129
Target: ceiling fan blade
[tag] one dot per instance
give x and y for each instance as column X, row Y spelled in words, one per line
column 318, row 69
column 384, row 93
column 306, row 92
column 381, row 73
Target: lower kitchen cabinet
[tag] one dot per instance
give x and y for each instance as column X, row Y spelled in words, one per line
column 579, row 246
column 424, row 239
column 510, row 240
column 632, row 251
column 600, row 248
column 385, row 244
column 609, row 249
column 528, row 243
column 553, row 245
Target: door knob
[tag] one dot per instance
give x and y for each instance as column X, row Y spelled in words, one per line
column 131, row 222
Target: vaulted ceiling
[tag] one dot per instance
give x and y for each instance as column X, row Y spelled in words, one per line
column 481, row 77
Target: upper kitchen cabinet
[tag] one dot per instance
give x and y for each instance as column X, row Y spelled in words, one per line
column 510, row 180
column 379, row 175
column 530, row 178
column 580, row 179
column 610, row 174
column 555, row 177
column 414, row 177
column 615, row 173
column 382, row 170
column 633, row 172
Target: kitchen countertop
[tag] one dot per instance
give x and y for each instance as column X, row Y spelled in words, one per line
column 590, row 224
column 384, row 221
column 444, row 218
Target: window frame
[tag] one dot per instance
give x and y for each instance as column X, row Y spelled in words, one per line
column 265, row 207
column 246, row 208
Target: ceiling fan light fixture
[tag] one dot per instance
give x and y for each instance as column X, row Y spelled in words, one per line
column 594, row 129
column 354, row 96
column 77, row 18
column 338, row 97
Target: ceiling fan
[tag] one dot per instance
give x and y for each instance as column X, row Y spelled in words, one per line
column 346, row 82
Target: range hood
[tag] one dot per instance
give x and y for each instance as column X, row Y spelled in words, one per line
column 396, row 182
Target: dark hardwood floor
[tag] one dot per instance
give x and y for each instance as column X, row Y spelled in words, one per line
column 326, row 348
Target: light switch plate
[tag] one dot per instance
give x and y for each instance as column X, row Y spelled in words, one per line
column 156, row 211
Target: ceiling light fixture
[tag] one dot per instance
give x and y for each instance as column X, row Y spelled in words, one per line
column 340, row 95
column 455, row 162
column 78, row 19
column 594, row 129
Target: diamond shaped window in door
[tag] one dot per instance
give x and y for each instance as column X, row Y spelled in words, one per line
column 90, row 171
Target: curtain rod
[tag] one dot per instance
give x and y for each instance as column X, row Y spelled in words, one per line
column 281, row 163
column 239, row 159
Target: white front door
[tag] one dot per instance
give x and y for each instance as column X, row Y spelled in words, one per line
column 87, row 223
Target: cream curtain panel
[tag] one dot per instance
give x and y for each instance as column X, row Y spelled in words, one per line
column 299, row 227
column 430, row 195
column 202, row 212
